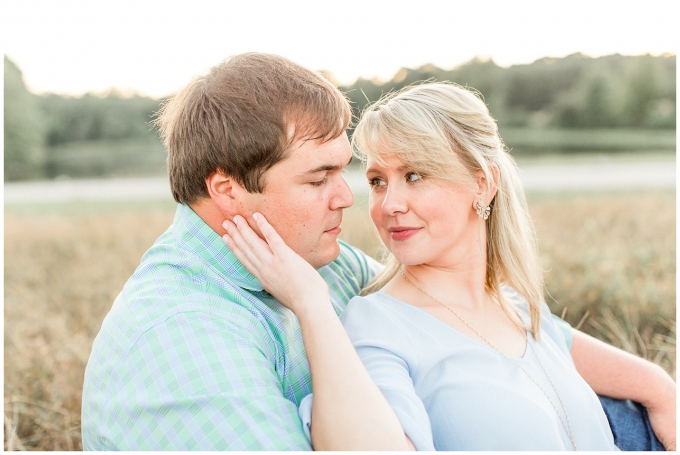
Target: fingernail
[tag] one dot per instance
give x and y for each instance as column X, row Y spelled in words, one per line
column 256, row 216
column 236, row 220
column 225, row 224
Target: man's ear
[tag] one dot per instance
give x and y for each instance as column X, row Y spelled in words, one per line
column 487, row 188
column 221, row 191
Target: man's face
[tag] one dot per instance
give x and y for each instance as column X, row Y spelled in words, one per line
column 303, row 198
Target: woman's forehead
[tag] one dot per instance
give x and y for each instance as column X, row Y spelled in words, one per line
column 384, row 160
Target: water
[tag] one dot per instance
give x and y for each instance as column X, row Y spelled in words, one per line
column 595, row 175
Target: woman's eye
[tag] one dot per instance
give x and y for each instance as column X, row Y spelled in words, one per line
column 376, row 182
column 413, row 176
column 320, row 182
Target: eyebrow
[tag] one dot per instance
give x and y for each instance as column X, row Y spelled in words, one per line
column 401, row 168
column 328, row 167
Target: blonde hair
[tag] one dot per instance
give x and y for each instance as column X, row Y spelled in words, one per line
column 445, row 131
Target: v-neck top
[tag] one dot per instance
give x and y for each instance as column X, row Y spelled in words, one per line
column 452, row 392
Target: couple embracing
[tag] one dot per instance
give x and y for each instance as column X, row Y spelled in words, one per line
column 249, row 326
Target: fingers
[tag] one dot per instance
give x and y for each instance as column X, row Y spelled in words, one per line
column 271, row 236
column 256, row 253
column 251, row 246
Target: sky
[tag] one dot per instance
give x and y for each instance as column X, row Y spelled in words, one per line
column 156, row 47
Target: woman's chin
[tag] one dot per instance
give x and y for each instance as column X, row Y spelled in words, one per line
column 409, row 258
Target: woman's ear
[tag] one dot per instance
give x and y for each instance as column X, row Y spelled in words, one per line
column 493, row 184
column 487, row 188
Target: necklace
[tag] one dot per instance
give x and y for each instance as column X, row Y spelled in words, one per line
column 567, row 426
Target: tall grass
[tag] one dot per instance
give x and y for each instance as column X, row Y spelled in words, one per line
column 608, row 256
column 62, row 273
column 611, row 260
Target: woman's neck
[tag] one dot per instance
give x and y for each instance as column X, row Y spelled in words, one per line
column 455, row 274
column 465, row 285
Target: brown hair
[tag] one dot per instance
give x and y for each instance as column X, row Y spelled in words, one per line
column 241, row 119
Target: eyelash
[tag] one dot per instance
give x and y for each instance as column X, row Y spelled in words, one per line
column 375, row 181
column 420, row 176
column 320, row 182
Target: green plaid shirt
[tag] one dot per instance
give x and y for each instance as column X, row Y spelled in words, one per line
column 195, row 355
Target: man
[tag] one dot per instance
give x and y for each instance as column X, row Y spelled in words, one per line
column 194, row 354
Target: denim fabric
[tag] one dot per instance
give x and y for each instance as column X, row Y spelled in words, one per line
column 630, row 425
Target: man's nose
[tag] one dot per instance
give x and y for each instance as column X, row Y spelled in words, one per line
column 342, row 197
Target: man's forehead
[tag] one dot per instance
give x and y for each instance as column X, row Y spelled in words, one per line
column 311, row 169
column 314, row 155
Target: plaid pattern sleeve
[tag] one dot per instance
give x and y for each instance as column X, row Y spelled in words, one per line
column 194, row 355
column 194, row 382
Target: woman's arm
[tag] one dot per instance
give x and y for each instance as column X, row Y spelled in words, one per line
column 617, row 374
column 348, row 412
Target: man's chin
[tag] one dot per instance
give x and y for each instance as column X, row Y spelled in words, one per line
column 324, row 258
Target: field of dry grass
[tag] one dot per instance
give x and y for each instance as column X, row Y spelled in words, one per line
column 610, row 261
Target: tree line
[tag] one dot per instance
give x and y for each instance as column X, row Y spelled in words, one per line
column 614, row 91
column 44, row 133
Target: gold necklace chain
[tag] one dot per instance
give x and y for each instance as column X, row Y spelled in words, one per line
column 567, row 427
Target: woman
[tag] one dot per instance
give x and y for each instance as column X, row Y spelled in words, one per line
column 454, row 332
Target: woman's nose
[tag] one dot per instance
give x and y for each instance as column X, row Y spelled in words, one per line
column 395, row 200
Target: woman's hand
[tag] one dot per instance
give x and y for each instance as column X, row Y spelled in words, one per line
column 349, row 411
column 614, row 373
column 281, row 271
column 662, row 418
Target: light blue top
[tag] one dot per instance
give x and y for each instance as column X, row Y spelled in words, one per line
column 451, row 392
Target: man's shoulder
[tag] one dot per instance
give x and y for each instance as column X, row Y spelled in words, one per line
column 353, row 260
column 175, row 317
column 349, row 273
column 171, row 278
column 189, row 330
column 173, row 283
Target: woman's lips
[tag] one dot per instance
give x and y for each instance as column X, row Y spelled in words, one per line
column 335, row 231
column 402, row 233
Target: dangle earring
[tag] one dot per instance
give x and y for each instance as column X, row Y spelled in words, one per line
column 483, row 212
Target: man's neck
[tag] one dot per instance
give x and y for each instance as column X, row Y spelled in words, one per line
column 210, row 213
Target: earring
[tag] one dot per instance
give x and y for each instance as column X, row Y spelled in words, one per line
column 483, row 212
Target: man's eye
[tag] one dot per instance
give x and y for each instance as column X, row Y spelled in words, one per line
column 319, row 182
column 376, row 182
column 413, row 176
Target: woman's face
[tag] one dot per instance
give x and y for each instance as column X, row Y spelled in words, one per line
column 423, row 220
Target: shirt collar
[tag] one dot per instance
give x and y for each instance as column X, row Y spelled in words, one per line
column 192, row 233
